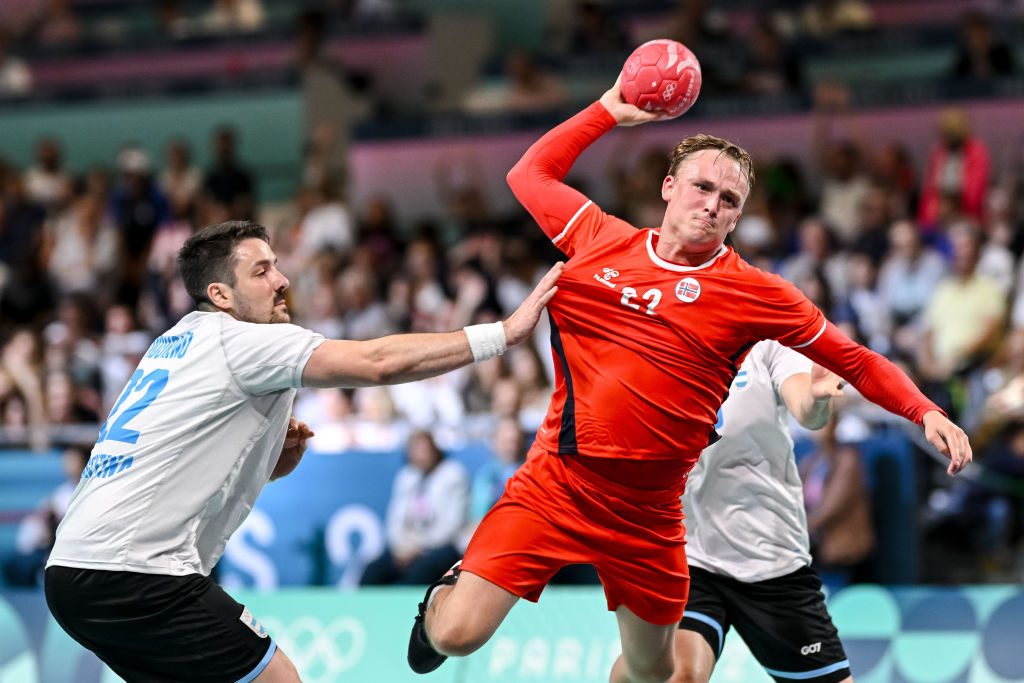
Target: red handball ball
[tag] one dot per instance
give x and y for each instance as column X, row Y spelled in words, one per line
column 661, row 75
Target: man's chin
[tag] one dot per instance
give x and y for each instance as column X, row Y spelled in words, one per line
column 281, row 316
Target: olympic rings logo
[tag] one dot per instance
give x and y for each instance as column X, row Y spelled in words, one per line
column 320, row 651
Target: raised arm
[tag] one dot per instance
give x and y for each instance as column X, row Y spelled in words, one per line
column 537, row 178
column 880, row 381
column 409, row 357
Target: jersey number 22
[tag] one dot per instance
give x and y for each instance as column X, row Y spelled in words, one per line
column 116, row 426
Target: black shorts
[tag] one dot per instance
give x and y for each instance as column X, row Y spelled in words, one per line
column 783, row 621
column 153, row 627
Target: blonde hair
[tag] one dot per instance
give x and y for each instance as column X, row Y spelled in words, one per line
column 699, row 143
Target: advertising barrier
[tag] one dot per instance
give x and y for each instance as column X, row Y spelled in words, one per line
column 899, row 635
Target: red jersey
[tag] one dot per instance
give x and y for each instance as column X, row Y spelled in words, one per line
column 645, row 349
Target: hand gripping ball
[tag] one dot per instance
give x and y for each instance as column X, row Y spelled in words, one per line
column 661, row 75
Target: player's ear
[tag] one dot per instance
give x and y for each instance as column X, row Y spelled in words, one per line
column 736, row 221
column 666, row 186
column 220, row 295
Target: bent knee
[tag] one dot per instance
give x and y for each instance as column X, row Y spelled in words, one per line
column 456, row 640
column 685, row 674
column 655, row 672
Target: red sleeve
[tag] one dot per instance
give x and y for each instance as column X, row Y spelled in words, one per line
column 877, row 378
column 536, row 179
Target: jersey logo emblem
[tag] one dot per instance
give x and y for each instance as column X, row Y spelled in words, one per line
column 687, row 290
column 742, row 378
column 608, row 274
column 249, row 620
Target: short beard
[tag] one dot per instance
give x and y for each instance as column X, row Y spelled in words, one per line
column 280, row 317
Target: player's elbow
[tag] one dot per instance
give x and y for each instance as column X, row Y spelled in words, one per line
column 814, row 422
column 516, row 177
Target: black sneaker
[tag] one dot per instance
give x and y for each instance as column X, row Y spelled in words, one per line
column 422, row 657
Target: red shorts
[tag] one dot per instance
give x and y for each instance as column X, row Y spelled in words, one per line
column 554, row 512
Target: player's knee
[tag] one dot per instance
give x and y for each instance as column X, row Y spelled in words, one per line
column 455, row 638
column 686, row 672
column 655, row 671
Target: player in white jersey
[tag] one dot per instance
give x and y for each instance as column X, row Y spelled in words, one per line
column 746, row 529
column 204, row 422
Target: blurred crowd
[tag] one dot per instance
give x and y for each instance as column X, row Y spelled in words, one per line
column 922, row 264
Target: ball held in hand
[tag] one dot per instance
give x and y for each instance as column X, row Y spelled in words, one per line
column 661, row 75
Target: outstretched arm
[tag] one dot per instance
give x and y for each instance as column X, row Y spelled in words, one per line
column 880, row 381
column 409, row 357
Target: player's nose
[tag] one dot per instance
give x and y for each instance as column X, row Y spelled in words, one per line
column 711, row 206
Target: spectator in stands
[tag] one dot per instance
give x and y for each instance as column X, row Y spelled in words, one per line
column 378, row 241
column 173, row 21
column 46, row 180
column 528, row 371
column 894, row 172
column 81, row 245
column 770, row 67
column 526, row 86
column 164, row 297
column 21, row 391
column 906, row 281
column 418, row 299
column 139, row 209
column 328, row 225
column 827, row 18
column 36, row 531
column 705, row 29
column 984, row 515
column 963, row 321
column 870, row 318
column 632, row 184
column 180, row 180
column 71, row 345
column 65, row 405
column 56, row 25
column 123, row 344
column 233, row 16
column 508, row 452
column 24, row 288
column 15, row 76
column 427, row 511
column 956, row 175
column 838, row 503
column 478, row 390
column 980, row 54
column 363, row 315
column 227, row 185
column 817, row 250
column 845, row 182
column 335, row 97
column 595, row 31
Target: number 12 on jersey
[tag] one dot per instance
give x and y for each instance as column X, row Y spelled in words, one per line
column 116, row 426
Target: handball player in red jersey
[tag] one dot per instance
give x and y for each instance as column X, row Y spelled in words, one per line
column 649, row 326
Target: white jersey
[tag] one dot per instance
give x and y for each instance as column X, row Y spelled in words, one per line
column 187, row 447
column 744, row 501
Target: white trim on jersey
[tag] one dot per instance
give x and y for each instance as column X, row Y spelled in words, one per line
column 571, row 221
column 814, row 338
column 658, row 261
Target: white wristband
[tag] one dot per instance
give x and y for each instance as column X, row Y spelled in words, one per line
column 487, row 340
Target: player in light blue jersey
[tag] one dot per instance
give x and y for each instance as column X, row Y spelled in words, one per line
column 203, row 424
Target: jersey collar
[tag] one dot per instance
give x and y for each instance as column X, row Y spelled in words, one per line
column 675, row 266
